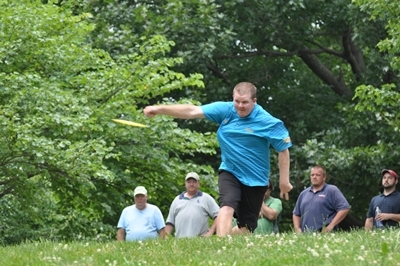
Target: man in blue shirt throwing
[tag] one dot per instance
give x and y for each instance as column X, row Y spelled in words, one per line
column 246, row 132
column 320, row 207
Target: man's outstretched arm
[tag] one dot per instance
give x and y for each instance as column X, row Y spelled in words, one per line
column 183, row 111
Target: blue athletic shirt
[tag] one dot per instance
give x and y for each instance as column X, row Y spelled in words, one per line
column 245, row 141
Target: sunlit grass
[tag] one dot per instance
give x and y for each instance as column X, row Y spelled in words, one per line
column 355, row 248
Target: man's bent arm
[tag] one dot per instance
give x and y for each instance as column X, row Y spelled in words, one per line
column 296, row 223
column 213, row 228
column 369, row 223
column 121, row 234
column 161, row 233
column 168, row 228
column 340, row 215
column 268, row 212
column 391, row 216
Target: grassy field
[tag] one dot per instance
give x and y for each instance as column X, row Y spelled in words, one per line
column 355, row 248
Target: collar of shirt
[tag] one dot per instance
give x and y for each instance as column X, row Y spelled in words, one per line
column 182, row 195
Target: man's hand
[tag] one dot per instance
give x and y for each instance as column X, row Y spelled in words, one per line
column 383, row 217
column 208, row 234
column 285, row 188
column 328, row 229
column 150, row 111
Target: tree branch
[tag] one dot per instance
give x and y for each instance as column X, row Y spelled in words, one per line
column 326, row 50
column 336, row 83
column 353, row 55
column 216, row 71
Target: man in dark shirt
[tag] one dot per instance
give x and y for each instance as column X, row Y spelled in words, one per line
column 388, row 203
column 320, row 207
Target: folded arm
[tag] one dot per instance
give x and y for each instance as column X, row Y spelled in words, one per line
column 268, row 212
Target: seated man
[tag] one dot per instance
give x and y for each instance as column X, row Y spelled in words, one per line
column 270, row 213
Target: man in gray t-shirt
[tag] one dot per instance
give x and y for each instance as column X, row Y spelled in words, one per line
column 190, row 210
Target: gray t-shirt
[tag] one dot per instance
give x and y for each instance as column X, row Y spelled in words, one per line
column 190, row 216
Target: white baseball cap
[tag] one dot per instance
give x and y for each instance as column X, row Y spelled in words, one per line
column 140, row 190
column 192, row 175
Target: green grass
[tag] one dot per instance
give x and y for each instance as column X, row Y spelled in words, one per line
column 354, row 248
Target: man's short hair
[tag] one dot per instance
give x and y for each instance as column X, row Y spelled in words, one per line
column 246, row 87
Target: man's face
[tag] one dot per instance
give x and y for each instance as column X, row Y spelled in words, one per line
column 140, row 201
column 244, row 104
column 192, row 185
column 317, row 177
column 388, row 181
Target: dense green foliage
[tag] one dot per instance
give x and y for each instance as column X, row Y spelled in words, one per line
column 60, row 149
column 68, row 67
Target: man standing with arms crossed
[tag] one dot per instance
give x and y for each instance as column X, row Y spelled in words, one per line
column 246, row 132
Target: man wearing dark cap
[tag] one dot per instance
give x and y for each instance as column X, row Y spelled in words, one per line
column 388, row 203
column 189, row 212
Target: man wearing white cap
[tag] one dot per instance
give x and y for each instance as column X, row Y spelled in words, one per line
column 141, row 220
column 190, row 210
column 387, row 203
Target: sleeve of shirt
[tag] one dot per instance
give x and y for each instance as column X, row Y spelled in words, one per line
column 371, row 211
column 171, row 213
column 279, row 135
column 159, row 219
column 297, row 210
column 216, row 111
column 213, row 208
column 340, row 201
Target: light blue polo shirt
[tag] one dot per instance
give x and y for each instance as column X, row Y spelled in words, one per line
column 245, row 141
